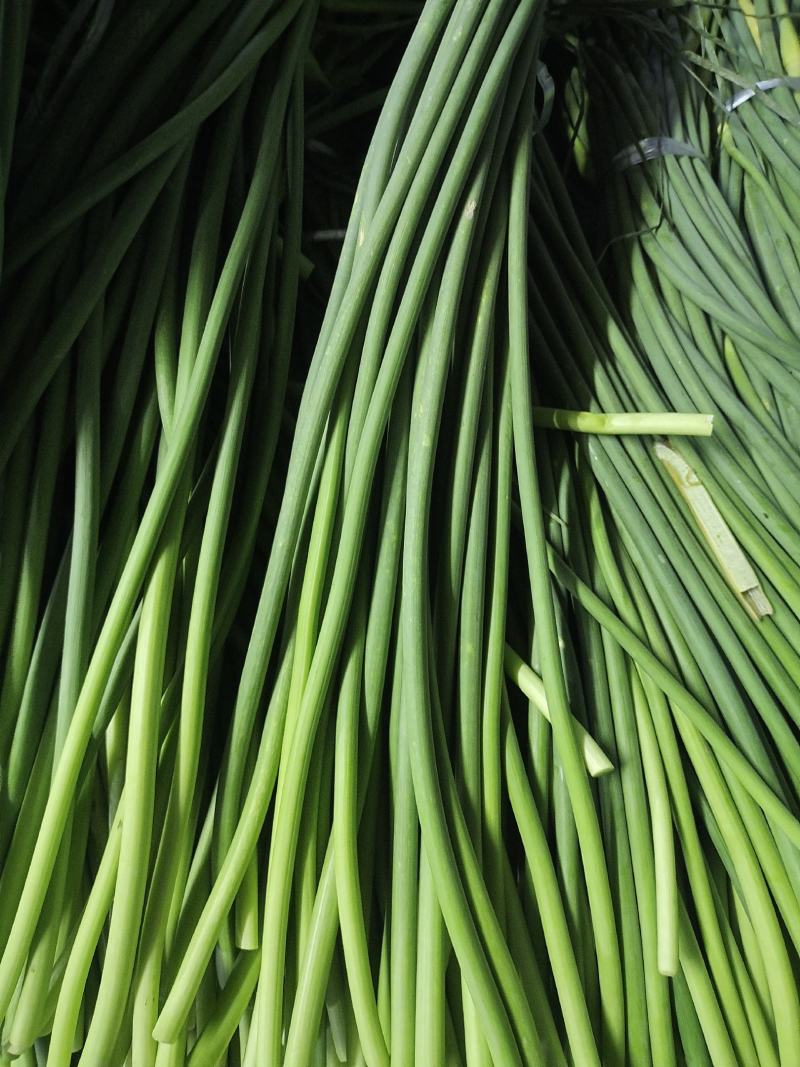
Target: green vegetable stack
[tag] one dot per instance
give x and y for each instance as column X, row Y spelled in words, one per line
column 400, row 617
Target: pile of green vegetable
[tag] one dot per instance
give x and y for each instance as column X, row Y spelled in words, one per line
column 399, row 533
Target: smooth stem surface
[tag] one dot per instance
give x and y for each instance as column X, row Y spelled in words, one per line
column 656, row 422
column 596, row 872
column 529, row 683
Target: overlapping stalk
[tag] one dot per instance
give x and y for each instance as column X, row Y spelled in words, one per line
column 414, row 682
